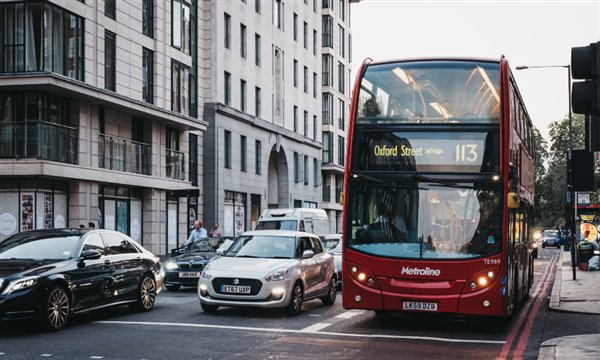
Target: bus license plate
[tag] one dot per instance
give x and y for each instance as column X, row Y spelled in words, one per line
column 235, row 289
column 190, row 274
column 419, row 306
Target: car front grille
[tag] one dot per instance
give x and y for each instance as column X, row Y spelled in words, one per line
column 255, row 285
column 192, row 266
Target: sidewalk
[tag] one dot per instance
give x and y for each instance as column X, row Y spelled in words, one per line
column 582, row 296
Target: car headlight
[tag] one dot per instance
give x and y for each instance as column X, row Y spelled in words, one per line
column 171, row 265
column 535, row 245
column 206, row 273
column 20, row 284
column 277, row 275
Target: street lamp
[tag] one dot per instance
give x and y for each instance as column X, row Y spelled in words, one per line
column 572, row 210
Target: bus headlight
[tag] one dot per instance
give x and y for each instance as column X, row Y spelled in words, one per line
column 481, row 280
column 363, row 276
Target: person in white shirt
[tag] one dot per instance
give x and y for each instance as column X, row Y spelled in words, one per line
column 197, row 233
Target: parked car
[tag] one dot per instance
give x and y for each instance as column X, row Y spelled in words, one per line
column 333, row 245
column 185, row 268
column 269, row 269
column 53, row 274
column 551, row 238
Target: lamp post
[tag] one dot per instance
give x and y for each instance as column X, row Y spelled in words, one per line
column 572, row 195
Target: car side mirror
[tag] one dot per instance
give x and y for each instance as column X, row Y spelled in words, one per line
column 90, row 255
column 220, row 252
column 307, row 254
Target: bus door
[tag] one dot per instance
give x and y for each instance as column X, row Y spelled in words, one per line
column 511, row 261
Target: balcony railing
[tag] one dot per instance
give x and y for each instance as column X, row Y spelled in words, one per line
column 338, row 194
column 175, row 164
column 38, row 140
column 120, row 154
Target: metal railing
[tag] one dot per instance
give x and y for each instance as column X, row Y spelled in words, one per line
column 175, row 164
column 38, row 140
column 120, row 154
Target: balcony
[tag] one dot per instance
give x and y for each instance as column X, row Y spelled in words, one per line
column 175, row 164
column 38, row 140
column 120, row 154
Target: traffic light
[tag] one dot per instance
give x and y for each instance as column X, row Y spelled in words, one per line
column 592, row 133
column 585, row 65
column 582, row 167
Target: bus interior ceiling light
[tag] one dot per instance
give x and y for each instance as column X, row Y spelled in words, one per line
column 402, row 75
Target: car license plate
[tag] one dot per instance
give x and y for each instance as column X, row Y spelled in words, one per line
column 235, row 289
column 190, row 274
column 419, row 306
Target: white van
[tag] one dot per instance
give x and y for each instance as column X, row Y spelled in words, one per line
column 314, row 221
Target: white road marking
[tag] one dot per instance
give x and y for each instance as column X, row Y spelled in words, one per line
column 291, row 331
column 96, row 357
column 349, row 314
column 45, row 355
column 316, row 327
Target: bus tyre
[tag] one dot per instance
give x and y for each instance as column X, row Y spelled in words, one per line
column 295, row 305
column 329, row 299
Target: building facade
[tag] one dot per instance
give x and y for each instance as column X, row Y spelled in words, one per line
column 99, row 117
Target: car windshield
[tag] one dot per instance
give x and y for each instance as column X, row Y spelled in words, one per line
column 550, row 234
column 330, row 243
column 277, row 225
column 261, row 246
column 41, row 248
column 205, row 245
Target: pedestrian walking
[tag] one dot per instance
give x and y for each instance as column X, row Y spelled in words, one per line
column 216, row 231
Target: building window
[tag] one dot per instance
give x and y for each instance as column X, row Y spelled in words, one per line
column 305, row 80
column 278, row 14
column 305, row 170
column 314, row 127
column 243, row 41
column 257, row 6
column 317, row 172
column 257, row 49
column 257, row 101
column 342, row 41
column 295, row 118
column 227, row 30
column 315, row 85
column 341, row 78
column 341, row 114
column 314, row 42
column 257, row 156
column 295, row 73
column 305, row 123
column 298, row 163
column 110, row 8
column 243, row 142
column 327, row 147
column 305, row 35
column 148, row 75
column 295, row 27
column 243, row 95
column 327, row 31
column 109, row 60
column 227, row 155
column 349, row 48
column 327, row 70
column 37, row 36
column 327, row 108
column 341, row 150
column 342, row 10
column 181, row 26
column 148, row 18
column 180, row 87
column 227, row 88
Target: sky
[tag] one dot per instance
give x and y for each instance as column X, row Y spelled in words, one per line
column 526, row 32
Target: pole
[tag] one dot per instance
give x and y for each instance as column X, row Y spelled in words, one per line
column 573, row 209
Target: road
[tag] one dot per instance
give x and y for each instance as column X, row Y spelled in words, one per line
column 178, row 329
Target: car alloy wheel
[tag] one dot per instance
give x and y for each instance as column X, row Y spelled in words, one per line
column 58, row 308
column 295, row 305
column 329, row 299
column 147, row 294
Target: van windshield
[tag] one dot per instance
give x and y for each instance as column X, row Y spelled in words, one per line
column 277, row 225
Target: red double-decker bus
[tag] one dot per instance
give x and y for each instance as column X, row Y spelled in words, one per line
column 439, row 188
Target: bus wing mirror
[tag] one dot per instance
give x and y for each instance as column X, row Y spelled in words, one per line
column 513, row 200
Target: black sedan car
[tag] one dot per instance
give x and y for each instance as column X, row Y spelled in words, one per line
column 185, row 269
column 53, row 274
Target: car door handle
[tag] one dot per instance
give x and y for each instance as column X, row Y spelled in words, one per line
column 106, row 262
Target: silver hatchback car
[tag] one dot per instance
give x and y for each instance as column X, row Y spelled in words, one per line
column 269, row 269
